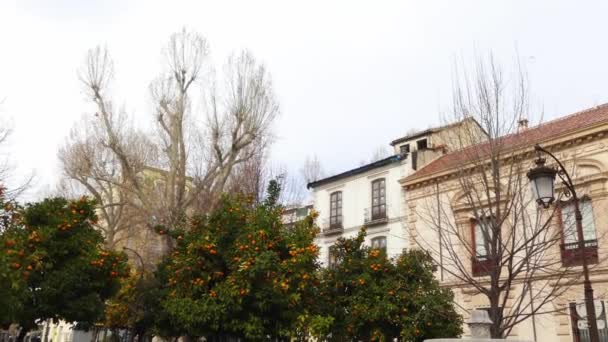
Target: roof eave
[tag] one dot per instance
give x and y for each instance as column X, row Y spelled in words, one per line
column 548, row 142
column 361, row 169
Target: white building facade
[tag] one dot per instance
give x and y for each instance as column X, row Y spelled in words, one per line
column 370, row 196
column 367, row 196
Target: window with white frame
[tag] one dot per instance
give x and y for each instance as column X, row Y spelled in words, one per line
column 569, row 221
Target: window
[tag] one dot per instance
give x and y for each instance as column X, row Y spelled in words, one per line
column 404, row 149
column 378, row 199
column 571, row 253
column 578, row 319
column 332, row 257
column 422, row 144
column 569, row 222
column 335, row 210
column 301, row 212
column 481, row 231
column 379, row 243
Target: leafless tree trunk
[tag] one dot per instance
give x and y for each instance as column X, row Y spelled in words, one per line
column 520, row 241
column 186, row 165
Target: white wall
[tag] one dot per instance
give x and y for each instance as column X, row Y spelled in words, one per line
column 356, row 198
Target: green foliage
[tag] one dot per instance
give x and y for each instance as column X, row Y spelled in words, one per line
column 234, row 272
column 372, row 298
column 135, row 306
column 239, row 272
column 54, row 260
column 10, row 280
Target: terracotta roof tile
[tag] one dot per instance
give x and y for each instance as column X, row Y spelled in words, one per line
column 530, row 136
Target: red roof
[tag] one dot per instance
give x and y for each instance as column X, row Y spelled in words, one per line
column 528, row 137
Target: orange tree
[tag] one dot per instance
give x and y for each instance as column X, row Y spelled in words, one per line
column 9, row 290
column 373, row 298
column 136, row 305
column 238, row 272
column 56, row 265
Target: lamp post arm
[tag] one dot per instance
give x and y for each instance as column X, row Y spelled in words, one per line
column 141, row 260
column 562, row 171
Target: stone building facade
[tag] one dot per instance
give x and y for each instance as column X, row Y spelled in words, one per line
column 580, row 141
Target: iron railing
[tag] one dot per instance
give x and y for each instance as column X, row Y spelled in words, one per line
column 376, row 214
column 332, row 225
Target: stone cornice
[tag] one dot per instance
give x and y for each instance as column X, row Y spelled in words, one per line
column 599, row 275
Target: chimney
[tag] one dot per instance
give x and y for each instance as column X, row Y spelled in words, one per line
column 522, row 124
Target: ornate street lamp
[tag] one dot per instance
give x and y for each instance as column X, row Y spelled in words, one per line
column 543, row 183
column 543, row 186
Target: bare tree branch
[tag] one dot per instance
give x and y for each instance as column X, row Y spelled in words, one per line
column 200, row 142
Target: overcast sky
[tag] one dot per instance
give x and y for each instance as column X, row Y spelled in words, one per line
column 350, row 75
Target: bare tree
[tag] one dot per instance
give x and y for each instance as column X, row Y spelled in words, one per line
column 195, row 150
column 293, row 187
column 380, row 153
column 312, row 170
column 486, row 232
column 250, row 177
column 11, row 188
column 253, row 177
column 91, row 167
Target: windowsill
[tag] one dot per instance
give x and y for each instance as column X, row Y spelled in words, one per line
column 376, row 221
column 333, row 230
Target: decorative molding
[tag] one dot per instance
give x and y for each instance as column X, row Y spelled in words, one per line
column 378, row 175
column 335, row 187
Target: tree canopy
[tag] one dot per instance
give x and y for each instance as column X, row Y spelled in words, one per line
column 53, row 260
column 238, row 272
column 373, row 298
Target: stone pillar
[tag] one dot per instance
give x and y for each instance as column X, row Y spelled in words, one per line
column 479, row 324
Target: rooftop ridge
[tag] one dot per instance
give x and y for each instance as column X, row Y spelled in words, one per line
column 552, row 121
column 542, row 131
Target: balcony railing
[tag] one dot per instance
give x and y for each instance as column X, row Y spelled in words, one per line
column 573, row 256
column 332, row 226
column 374, row 215
column 481, row 265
